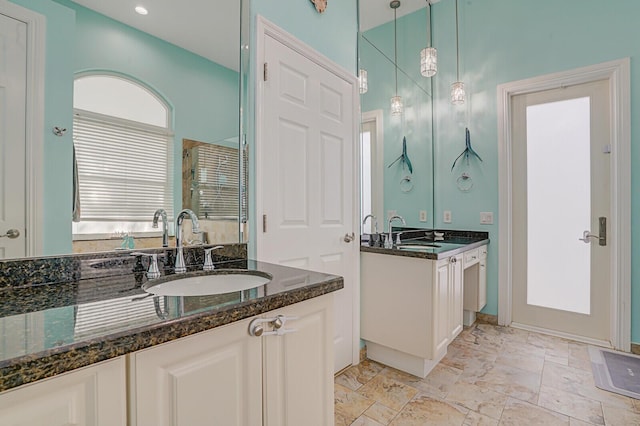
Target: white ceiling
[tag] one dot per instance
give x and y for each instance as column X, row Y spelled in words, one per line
column 209, row 28
column 377, row 12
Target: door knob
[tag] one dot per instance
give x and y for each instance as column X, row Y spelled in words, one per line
column 11, row 233
column 349, row 237
column 602, row 235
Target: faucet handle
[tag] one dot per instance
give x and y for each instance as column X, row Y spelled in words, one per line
column 153, row 271
column 208, row 262
column 398, row 240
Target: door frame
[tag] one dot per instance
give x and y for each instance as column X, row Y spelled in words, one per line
column 266, row 28
column 34, row 114
column 376, row 115
column 617, row 72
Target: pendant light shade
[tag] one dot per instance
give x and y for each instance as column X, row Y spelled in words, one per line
column 362, row 81
column 458, row 94
column 396, row 105
column 428, row 61
column 429, row 55
column 396, row 101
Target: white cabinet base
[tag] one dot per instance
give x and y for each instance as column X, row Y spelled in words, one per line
column 401, row 360
column 468, row 318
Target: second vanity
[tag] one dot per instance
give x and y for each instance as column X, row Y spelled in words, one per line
column 416, row 296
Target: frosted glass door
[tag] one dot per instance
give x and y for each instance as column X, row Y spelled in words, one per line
column 558, row 204
column 560, row 175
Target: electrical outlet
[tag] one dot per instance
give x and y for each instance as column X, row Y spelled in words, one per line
column 446, row 217
column 486, row 218
column 391, row 213
column 423, row 215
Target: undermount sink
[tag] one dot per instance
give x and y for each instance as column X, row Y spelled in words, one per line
column 217, row 282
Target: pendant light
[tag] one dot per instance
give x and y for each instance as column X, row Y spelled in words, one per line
column 457, row 88
column 396, row 101
column 362, row 81
column 429, row 55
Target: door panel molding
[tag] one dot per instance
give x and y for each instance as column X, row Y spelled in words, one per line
column 618, row 74
column 266, row 29
column 35, row 72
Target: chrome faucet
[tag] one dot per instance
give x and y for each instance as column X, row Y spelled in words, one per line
column 375, row 222
column 180, row 267
column 391, row 219
column 160, row 213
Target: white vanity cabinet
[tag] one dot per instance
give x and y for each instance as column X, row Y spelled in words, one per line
column 411, row 308
column 226, row 376
column 91, row 396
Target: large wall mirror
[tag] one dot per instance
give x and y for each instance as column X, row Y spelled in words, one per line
column 151, row 106
column 397, row 149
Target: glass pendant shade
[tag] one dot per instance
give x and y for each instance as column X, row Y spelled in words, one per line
column 362, row 80
column 396, row 105
column 457, row 93
column 428, row 61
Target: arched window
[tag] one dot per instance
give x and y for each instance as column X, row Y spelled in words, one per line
column 124, row 151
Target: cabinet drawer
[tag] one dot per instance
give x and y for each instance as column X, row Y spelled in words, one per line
column 471, row 257
column 482, row 251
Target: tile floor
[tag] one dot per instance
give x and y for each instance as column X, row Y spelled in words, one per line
column 490, row 376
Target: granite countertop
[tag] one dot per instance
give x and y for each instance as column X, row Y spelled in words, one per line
column 67, row 322
column 420, row 243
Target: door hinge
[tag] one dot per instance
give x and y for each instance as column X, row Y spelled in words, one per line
column 264, row 71
column 264, row 223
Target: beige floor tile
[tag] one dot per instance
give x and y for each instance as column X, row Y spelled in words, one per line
column 522, row 360
column 576, row 422
column 436, row 384
column 512, row 381
column 482, row 400
column 476, row 419
column 356, row 376
column 425, row 410
column 619, row 416
column 571, row 404
column 519, row 413
column 388, row 392
column 580, row 382
column 365, row 421
column 380, row 413
column 348, row 404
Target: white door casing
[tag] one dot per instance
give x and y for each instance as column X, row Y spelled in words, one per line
column 21, row 88
column 375, row 121
column 617, row 74
column 306, row 180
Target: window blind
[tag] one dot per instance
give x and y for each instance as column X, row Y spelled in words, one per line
column 218, row 181
column 125, row 168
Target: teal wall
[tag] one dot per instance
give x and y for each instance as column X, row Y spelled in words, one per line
column 203, row 95
column 503, row 41
column 376, row 56
column 333, row 33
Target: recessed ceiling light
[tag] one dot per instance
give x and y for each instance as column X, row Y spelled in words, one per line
column 141, row 10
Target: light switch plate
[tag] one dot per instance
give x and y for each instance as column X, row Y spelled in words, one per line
column 486, row 218
column 446, row 217
column 423, row 215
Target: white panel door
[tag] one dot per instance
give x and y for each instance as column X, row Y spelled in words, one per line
column 298, row 366
column 90, row 396
column 13, row 92
column 307, row 176
column 211, row 378
column 561, row 188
